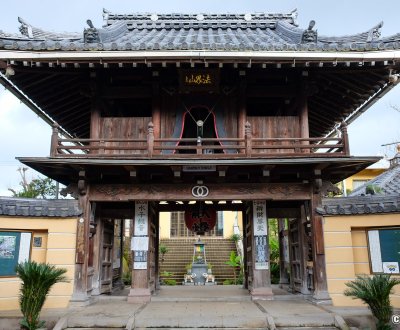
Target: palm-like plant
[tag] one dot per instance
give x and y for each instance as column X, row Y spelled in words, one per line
column 235, row 262
column 374, row 291
column 37, row 280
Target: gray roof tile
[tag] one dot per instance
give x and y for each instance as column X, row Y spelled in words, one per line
column 231, row 32
column 360, row 205
column 388, row 183
column 27, row 207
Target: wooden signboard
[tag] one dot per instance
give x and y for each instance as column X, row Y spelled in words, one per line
column 199, row 80
column 15, row 247
column 260, row 235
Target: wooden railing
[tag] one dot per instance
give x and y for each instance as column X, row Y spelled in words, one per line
column 205, row 148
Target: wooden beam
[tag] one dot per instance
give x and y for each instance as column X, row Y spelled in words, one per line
column 234, row 191
column 126, row 92
column 271, row 91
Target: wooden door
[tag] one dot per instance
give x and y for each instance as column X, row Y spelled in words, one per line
column 295, row 253
column 106, row 265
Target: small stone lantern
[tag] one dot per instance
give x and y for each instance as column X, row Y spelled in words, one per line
column 199, row 263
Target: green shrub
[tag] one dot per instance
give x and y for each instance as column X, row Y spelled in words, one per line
column 275, row 272
column 163, row 250
column 235, row 237
column 37, row 280
column 227, row 282
column 169, row 281
column 235, row 262
column 374, row 291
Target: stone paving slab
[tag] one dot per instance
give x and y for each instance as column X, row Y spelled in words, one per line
column 103, row 314
column 297, row 313
column 201, row 314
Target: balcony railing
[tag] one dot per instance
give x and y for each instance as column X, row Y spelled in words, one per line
column 206, row 148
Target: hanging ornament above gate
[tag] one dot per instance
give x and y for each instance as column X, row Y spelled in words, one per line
column 200, row 218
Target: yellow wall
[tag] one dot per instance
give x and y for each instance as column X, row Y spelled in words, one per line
column 366, row 174
column 229, row 220
column 346, row 250
column 165, row 224
column 58, row 248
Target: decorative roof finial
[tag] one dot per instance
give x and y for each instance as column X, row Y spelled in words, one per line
column 25, row 28
column 375, row 32
column 91, row 34
column 310, row 35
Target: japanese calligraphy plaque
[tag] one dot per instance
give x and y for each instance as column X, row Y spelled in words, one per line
column 200, row 80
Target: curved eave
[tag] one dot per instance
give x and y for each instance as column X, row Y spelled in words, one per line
column 65, row 170
column 235, row 56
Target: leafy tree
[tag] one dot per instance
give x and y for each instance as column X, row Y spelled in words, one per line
column 37, row 188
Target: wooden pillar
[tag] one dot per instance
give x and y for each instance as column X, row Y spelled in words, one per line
column 80, row 295
column 304, row 246
column 283, row 246
column 157, row 249
column 245, row 251
column 95, row 113
column 156, row 108
column 345, row 139
column 303, row 116
column 140, row 290
column 319, row 266
column 54, row 140
column 261, row 282
column 242, row 111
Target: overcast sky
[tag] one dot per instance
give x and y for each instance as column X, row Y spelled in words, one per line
column 24, row 134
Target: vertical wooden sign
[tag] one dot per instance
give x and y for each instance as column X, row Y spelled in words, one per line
column 139, row 243
column 141, row 218
column 261, row 251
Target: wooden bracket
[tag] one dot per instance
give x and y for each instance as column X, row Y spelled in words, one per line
column 82, row 183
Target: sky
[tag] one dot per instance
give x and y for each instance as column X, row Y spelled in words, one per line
column 23, row 134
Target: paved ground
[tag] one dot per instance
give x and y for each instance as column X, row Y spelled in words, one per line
column 218, row 307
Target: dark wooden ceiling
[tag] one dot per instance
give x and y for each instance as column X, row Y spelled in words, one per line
column 64, row 93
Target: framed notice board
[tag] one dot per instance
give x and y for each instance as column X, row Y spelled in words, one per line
column 15, row 247
column 384, row 250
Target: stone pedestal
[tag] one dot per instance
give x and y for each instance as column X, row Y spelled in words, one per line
column 199, row 270
column 321, row 298
column 80, row 300
column 262, row 293
column 138, row 296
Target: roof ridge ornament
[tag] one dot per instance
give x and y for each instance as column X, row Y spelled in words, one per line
column 294, row 15
column 25, row 28
column 310, row 35
column 91, row 34
column 247, row 17
column 375, row 32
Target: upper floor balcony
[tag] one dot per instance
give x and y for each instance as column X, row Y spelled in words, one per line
column 200, row 148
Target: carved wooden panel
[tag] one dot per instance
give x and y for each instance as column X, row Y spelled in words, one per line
column 235, row 191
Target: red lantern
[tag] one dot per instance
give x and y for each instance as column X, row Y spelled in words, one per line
column 200, row 220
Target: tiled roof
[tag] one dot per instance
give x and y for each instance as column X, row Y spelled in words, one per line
column 387, row 183
column 39, row 207
column 219, row 32
column 360, row 205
